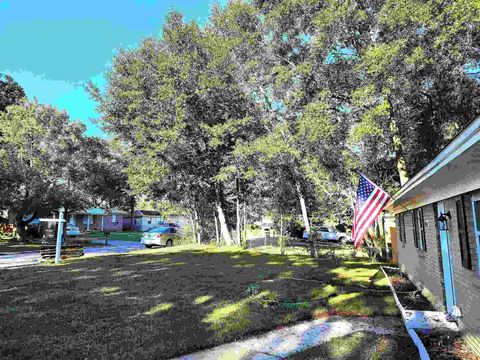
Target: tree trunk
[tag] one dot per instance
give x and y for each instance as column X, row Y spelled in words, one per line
column 132, row 209
column 198, row 228
column 304, row 208
column 238, row 234
column 225, row 233
column 20, row 224
column 397, row 146
column 194, row 236
column 217, row 235
column 245, row 224
column 238, row 222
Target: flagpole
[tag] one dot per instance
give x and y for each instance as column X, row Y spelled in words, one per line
column 352, row 204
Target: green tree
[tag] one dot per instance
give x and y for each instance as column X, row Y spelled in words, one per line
column 176, row 105
column 11, row 93
column 47, row 162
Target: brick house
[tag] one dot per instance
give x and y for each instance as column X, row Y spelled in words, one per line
column 96, row 219
column 437, row 217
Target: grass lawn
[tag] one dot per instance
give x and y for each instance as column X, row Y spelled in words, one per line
column 117, row 235
column 167, row 302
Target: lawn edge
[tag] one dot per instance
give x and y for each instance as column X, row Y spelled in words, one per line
column 411, row 332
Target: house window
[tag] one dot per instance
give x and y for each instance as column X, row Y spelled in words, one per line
column 463, row 234
column 419, row 226
column 114, row 218
column 401, row 225
column 85, row 220
column 415, row 227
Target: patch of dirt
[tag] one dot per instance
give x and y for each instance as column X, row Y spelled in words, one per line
column 408, row 294
column 447, row 346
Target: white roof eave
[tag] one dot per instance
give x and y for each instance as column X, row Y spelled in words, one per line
column 463, row 141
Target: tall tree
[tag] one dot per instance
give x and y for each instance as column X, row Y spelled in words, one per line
column 47, row 162
column 175, row 103
column 11, row 93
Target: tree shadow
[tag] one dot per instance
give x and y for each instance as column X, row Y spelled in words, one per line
column 208, row 291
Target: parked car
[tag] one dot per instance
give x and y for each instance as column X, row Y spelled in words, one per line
column 164, row 235
column 329, row 234
column 72, row 230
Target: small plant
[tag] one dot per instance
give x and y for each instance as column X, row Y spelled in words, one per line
column 252, row 289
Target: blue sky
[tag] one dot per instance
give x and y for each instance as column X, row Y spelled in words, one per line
column 52, row 47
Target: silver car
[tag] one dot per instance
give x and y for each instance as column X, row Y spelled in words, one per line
column 161, row 236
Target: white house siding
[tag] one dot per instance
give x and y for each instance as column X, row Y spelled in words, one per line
column 146, row 223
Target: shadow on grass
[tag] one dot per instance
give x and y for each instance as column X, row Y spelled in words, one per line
column 184, row 298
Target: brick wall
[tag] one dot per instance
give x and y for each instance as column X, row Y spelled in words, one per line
column 466, row 281
column 423, row 266
column 426, row 267
column 113, row 226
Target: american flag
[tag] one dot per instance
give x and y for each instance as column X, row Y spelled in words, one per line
column 370, row 202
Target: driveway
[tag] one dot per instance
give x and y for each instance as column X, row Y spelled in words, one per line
column 26, row 258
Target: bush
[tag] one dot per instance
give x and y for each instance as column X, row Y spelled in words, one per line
column 7, row 231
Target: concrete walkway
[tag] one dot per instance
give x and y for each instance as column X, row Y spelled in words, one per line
column 24, row 258
column 288, row 341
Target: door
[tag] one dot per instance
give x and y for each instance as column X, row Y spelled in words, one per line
column 476, row 222
column 447, row 264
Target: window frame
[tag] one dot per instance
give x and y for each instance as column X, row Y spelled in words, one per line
column 415, row 227
column 465, row 253
column 422, row 241
column 401, row 226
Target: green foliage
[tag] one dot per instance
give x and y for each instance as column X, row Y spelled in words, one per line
column 247, row 108
column 369, row 125
column 394, row 13
column 418, row 58
column 11, row 93
column 315, row 124
column 377, row 58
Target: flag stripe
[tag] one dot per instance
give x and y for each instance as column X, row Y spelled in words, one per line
column 372, row 207
column 362, row 230
column 368, row 206
column 370, row 202
column 372, row 215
